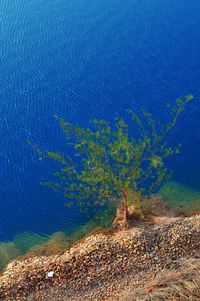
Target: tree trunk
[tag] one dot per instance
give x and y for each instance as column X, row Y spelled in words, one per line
column 121, row 219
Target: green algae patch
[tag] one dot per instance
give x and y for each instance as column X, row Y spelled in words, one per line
column 27, row 240
column 56, row 243
column 8, row 252
column 177, row 195
column 19, row 246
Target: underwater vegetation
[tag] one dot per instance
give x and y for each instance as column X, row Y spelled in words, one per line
column 177, row 195
column 8, row 251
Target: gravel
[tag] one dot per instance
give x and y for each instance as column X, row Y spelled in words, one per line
column 103, row 265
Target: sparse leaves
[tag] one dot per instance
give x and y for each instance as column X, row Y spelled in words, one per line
column 109, row 159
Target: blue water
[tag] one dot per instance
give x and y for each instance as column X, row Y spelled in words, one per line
column 84, row 59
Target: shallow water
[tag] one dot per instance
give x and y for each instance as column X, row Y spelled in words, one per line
column 82, row 60
column 177, row 195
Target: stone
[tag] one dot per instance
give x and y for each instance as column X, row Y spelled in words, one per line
column 50, row 274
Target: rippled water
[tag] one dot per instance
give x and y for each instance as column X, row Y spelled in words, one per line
column 84, row 59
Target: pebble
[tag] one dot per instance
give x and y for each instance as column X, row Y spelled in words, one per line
column 50, row 274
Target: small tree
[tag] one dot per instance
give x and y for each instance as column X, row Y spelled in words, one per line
column 108, row 161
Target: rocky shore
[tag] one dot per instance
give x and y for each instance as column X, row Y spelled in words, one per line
column 104, row 265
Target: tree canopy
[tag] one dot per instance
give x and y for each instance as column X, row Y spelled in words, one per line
column 107, row 160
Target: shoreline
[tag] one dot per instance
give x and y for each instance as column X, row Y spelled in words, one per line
column 101, row 266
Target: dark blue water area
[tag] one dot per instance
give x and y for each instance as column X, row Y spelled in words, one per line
column 83, row 59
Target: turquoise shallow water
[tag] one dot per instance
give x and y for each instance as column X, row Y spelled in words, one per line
column 82, row 60
column 177, row 195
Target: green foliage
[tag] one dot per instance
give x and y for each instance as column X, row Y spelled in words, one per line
column 109, row 160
